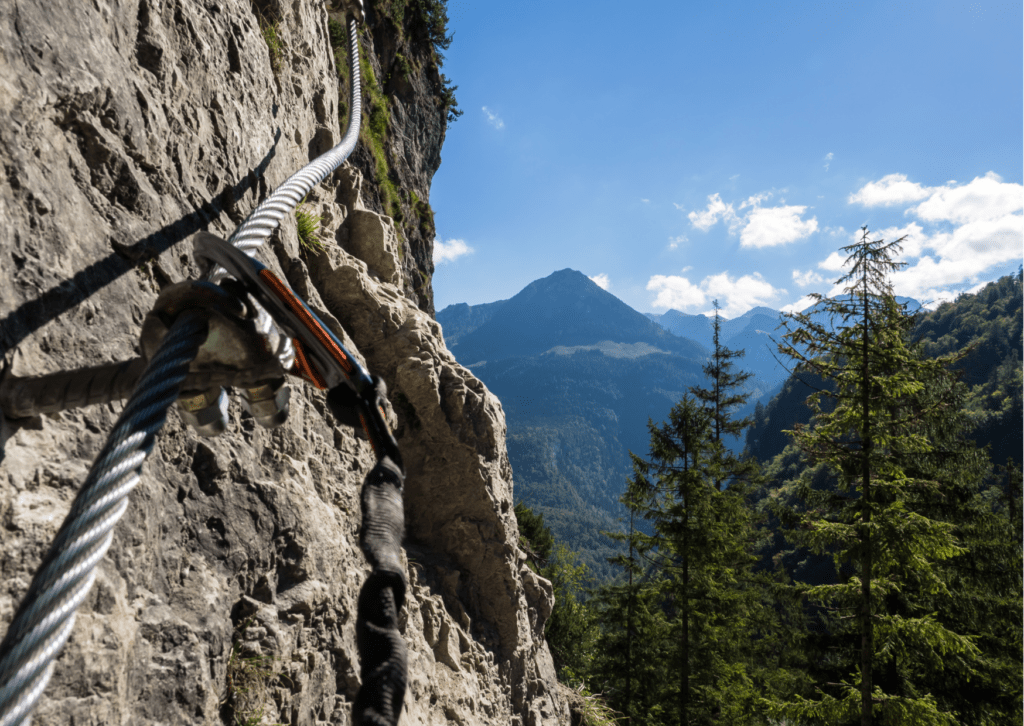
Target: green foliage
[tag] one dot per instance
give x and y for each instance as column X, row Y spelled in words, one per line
column 591, row 708
column 535, row 538
column 249, row 681
column 269, row 28
column 570, row 630
column 309, row 229
column 403, row 65
column 434, row 16
column 984, row 329
column 880, row 522
column 424, row 214
column 374, row 132
column 448, row 101
column 722, row 397
column 338, row 36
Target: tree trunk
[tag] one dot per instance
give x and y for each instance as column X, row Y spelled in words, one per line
column 867, row 626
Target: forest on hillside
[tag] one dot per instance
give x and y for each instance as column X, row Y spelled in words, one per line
column 860, row 563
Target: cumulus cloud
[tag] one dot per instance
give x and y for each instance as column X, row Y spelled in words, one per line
column 736, row 295
column 963, row 255
column 450, row 250
column 888, row 191
column 806, row 279
column 717, row 209
column 758, row 227
column 602, row 281
column 675, row 293
column 772, row 226
column 674, row 242
column 493, row 119
column 984, row 198
column 646, row 201
column 828, row 159
column 961, row 232
column 833, row 263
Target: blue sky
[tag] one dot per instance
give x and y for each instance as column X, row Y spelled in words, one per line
column 679, row 152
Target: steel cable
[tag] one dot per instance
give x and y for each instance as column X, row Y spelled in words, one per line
column 47, row 614
column 259, row 225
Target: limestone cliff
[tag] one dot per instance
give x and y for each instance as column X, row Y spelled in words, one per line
column 229, row 593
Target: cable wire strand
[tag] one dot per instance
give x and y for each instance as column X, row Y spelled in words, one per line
column 261, row 223
column 46, row 616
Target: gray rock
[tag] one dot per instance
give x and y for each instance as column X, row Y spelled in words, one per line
column 231, row 585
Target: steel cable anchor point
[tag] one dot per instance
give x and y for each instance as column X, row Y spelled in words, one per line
column 320, row 357
column 239, row 340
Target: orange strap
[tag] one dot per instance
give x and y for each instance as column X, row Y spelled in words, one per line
column 303, row 368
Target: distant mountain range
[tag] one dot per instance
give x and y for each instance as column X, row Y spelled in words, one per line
column 579, row 374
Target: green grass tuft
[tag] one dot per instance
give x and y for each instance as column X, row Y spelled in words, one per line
column 269, row 28
column 249, row 680
column 309, row 230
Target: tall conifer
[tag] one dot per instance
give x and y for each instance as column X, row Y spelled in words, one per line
column 876, row 521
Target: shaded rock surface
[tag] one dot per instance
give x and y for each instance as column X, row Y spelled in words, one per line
column 230, row 589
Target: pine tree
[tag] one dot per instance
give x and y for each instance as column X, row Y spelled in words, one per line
column 631, row 647
column 876, row 520
column 723, row 396
column 699, row 542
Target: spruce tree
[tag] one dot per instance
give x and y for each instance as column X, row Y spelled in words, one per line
column 631, row 647
column 699, row 543
column 722, row 396
column 889, row 547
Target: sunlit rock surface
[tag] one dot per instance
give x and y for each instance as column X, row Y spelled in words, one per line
column 230, row 589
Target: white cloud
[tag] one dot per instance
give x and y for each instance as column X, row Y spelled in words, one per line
column 774, row 226
column 833, row 263
column 736, row 295
column 964, row 232
column 805, row 279
column 828, row 159
column 674, row 242
column 890, row 190
column 687, row 268
column 493, row 119
column 646, row 201
column 962, row 255
column 717, row 209
column 734, row 177
column 984, row 198
column 602, row 281
column 761, row 226
column 913, row 234
column 674, row 292
column 450, row 250
column 799, row 306
column 755, row 200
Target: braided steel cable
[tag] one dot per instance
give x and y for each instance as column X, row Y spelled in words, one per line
column 259, row 225
column 47, row 614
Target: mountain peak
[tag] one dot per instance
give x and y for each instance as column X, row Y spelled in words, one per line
column 566, row 308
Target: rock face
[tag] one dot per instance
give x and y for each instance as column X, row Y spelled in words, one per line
column 229, row 593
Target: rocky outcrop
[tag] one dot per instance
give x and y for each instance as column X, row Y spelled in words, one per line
column 230, row 590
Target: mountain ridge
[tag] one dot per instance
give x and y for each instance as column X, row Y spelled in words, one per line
column 566, row 308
